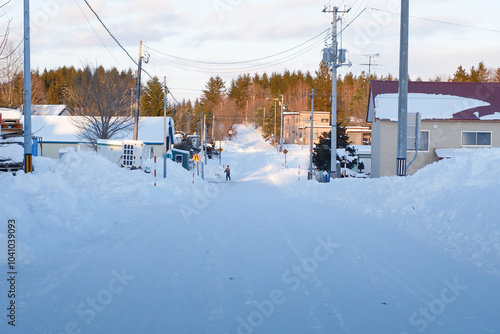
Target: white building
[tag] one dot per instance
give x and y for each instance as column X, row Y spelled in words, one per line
column 57, row 132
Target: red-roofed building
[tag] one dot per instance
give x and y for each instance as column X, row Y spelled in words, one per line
column 454, row 115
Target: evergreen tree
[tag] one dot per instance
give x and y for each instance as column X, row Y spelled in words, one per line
column 323, row 87
column 152, row 98
column 460, row 75
column 239, row 90
column 496, row 75
column 322, row 150
column 215, row 91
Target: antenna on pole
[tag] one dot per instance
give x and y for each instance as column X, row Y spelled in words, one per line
column 370, row 64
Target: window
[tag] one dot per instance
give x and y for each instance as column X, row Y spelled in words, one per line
column 324, row 120
column 423, row 142
column 471, row 138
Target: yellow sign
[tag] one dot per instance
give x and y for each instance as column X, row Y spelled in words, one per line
column 220, row 149
column 196, row 157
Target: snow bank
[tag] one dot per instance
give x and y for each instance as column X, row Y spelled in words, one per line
column 82, row 195
column 203, row 257
column 451, row 204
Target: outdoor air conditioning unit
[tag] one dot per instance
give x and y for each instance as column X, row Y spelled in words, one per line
column 132, row 151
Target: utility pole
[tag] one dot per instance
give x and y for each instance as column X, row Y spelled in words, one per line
column 281, row 134
column 403, row 89
column 138, row 94
column 309, row 176
column 264, row 119
column 213, row 128
column 370, row 56
column 165, row 148
column 205, row 135
column 274, row 122
column 203, row 143
column 132, row 99
column 28, row 156
column 336, row 59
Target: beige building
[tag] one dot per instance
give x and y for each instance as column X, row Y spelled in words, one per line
column 297, row 126
column 359, row 135
column 453, row 116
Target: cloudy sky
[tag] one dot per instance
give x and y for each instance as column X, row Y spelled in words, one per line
column 189, row 41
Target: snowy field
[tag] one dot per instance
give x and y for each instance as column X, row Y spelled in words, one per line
column 99, row 249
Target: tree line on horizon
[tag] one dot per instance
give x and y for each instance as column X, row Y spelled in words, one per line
column 247, row 98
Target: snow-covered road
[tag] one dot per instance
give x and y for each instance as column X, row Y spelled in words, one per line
column 105, row 252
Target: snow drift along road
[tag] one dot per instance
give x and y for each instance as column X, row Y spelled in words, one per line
column 100, row 250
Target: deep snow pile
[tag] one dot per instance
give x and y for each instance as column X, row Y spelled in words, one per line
column 104, row 251
column 80, row 196
column 451, row 204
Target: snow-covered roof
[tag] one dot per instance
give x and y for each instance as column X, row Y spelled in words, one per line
column 315, row 126
column 10, row 114
column 363, row 149
column 63, row 129
column 437, row 100
column 48, row 109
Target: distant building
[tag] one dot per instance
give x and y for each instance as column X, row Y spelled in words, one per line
column 49, row 109
column 359, row 135
column 297, row 126
column 455, row 115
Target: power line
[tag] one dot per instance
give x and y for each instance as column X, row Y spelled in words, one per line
column 99, row 37
column 354, row 19
column 243, row 61
column 114, row 38
column 439, row 21
column 241, row 69
column 253, row 67
column 119, row 44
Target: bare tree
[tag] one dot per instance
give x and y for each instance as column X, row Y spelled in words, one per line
column 101, row 100
column 10, row 67
column 226, row 115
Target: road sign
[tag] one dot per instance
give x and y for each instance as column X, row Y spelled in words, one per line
column 196, row 157
column 285, row 151
column 220, row 150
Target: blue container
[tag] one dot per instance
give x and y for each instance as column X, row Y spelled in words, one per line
column 34, row 147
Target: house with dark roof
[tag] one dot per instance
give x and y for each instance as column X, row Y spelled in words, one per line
column 455, row 116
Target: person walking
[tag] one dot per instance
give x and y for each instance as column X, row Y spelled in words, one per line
column 228, row 173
